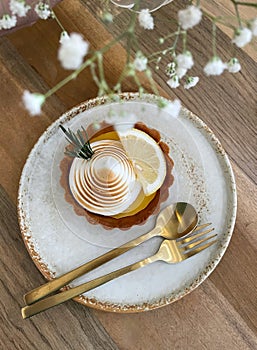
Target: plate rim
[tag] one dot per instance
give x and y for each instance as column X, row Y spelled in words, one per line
column 121, row 308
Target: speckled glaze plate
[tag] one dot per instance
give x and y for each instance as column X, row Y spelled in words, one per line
column 58, row 240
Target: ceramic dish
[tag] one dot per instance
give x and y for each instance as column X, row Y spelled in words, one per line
column 58, row 240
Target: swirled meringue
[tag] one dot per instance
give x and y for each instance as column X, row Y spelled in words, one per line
column 106, row 184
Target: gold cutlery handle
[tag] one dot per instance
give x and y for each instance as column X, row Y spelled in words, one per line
column 59, row 298
column 57, row 283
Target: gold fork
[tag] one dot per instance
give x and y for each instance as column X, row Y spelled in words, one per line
column 175, row 221
column 170, row 251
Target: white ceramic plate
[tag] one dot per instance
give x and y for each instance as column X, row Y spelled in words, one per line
column 58, row 240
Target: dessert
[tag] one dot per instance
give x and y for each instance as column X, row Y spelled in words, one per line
column 106, row 184
column 125, row 179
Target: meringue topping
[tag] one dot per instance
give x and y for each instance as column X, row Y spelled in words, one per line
column 106, row 184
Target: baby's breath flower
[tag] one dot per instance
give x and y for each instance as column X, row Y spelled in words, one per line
column 173, row 82
column 72, row 51
column 43, row 10
column 107, row 17
column 171, row 69
column 242, row 37
column 254, row 27
column 181, row 72
column 214, row 67
column 189, row 17
column 146, row 19
column 191, row 82
column 185, row 60
column 233, row 65
column 33, row 102
column 64, row 36
column 19, row 7
column 140, row 62
column 8, row 22
column 131, row 70
column 172, row 108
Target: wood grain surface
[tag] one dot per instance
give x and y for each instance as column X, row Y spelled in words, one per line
column 222, row 312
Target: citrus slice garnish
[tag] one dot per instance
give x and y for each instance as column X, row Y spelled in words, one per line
column 147, row 158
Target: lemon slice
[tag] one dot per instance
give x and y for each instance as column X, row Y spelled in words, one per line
column 147, row 158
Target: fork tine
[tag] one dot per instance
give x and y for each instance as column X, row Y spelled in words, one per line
column 193, row 237
column 200, row 227
column 200, row 249
column 198, row 242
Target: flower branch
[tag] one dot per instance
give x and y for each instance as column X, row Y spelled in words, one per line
column 73, row 48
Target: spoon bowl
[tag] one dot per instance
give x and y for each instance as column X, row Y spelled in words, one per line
column 176, row 221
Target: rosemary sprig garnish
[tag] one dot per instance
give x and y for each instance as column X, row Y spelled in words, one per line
column 81, row 147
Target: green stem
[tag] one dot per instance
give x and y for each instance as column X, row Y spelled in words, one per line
column 100, row 66
column 148, row 74
column 184, row 41
column 58, row 22
column 173, row 34
column 113, row 42
column 237, row 14
column 84, row 65
column 218, row 19
column 251, row 4
column 221, row 21
column 137, row 81
column 177, row 33
column 70, row 77
column 89, row 61
column 94, row 75
column 214, row 51
column 132, row 23
column 131, row 31
column 103, row 84
column 176, row 39
column 123, row 74
column 129, row 39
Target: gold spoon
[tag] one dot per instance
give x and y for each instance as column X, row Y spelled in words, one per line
column 175, row 221
column 170, row 251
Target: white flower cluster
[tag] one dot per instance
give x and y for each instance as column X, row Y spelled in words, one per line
column 233, row 65
column 216, row 66
column 72, row 50
column 146, row 19
column 243, row 36
column 191, row 82
column 189, row 17
column 140, row 62
column 43, row 10
column 19, row 8
column 8, row 22
column 33, row 102
column 178, row 69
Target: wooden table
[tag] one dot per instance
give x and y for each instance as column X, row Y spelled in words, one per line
column 222, row 312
